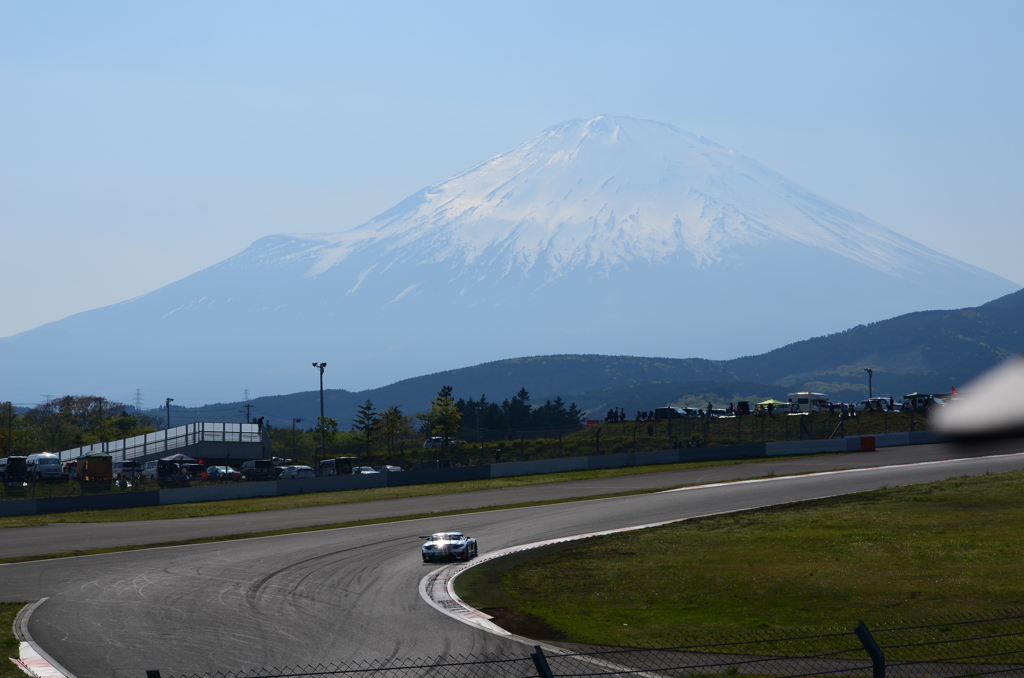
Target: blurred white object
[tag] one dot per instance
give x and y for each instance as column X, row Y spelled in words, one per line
column 992, row 405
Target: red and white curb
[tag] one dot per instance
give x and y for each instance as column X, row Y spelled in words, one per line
column 438, row 587
column 32, row 659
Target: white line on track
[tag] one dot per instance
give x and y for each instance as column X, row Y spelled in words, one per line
column 835, row 472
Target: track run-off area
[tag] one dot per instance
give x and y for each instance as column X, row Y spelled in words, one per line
column 348, row 594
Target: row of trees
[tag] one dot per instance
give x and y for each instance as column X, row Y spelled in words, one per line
column 67, row 422
column 372, row 429
column 516, row 413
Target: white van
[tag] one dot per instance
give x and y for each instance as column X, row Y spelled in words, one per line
column 807, row 401
column 44, row 465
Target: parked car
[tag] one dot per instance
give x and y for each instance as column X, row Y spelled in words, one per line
column 297, row 472
column 339, row 466
column 44, row 465
column 192, row 471
column 14, row 470
column 257, row 469
column 446, row 546
column 387, row 468
column 669, row 413
column 127, row 469
column 362, row 470
column 160, row 469
column 222, row 473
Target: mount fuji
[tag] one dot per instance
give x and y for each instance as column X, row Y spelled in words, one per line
column 610, row 235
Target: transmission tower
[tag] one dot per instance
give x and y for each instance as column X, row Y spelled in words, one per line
column 246, row 398
column 138, row 400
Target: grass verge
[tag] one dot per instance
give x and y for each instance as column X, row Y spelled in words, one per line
column 216, row 508
column 8, row 642
column 934, row 550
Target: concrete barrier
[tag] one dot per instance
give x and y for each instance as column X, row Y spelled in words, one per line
column 18, row 507
column 892, row 439
column 186, row 495
column 797, row 447
column 530, row 468
column 457, row 474
column 98, row 502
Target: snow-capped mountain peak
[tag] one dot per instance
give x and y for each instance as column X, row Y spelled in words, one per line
column 607, row 191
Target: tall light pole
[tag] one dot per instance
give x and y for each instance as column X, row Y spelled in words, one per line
column 294, row 422
column 871, row 373
column 10, row 421
column 168, row 403
column 323, row 436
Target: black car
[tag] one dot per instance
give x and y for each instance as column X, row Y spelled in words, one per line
column 258, row 469
column 14, row 470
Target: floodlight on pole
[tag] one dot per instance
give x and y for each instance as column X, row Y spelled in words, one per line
column 168, row 403
column 323, row 435
column 871, row 373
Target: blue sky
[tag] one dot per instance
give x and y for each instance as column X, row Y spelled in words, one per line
column 141, row 142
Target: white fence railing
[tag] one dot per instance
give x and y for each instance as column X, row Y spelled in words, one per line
column 169, row 440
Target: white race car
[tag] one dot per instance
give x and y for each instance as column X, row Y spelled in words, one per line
column 447, row 546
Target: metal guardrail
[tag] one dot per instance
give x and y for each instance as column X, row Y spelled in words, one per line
column 170, row 439
column 957, row 647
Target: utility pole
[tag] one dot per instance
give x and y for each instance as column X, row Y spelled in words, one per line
column 10, row 419
column 294, row 421
column 168, row 403
column 248, row 407
column 871, row 373
column 323, row 435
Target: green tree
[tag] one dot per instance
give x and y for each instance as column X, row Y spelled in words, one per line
column 330, row 430
column 518, row 411
column 367, row 422
column 444, row 417
column 394, row 424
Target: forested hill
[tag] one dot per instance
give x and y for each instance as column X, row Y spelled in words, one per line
column 936, row 349
column 926, row 351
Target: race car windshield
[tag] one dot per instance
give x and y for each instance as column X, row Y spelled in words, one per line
column 446, row 536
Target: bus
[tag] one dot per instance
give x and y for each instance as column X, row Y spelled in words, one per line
column 339, row 466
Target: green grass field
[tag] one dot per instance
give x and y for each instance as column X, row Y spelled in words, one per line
column 8, row 643
column 329, row 498
column 952, row 547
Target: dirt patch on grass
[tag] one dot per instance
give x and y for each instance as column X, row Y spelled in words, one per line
column 524, row 624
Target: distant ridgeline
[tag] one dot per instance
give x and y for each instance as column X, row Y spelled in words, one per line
column 928, row 351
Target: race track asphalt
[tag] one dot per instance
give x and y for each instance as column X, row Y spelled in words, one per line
column 345, row 594
column 64, row 537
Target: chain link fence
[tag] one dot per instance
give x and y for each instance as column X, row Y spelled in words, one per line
column 950, row 648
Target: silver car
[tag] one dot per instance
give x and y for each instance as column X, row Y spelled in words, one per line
column 445, row 546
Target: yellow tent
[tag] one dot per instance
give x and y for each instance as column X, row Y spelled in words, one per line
column 771, row 401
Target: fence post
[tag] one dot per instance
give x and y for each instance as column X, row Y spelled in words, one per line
column 871, row 647
column 539, row 660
